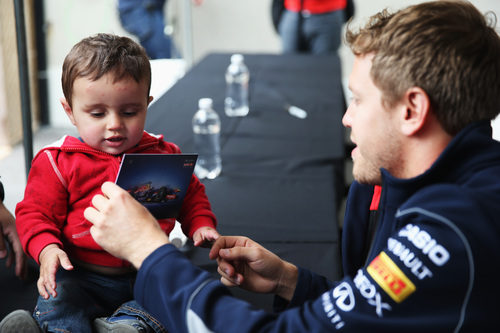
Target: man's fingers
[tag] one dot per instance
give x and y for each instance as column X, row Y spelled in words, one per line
column 99, row 201
column 214, row 251
column 91, row 214
column 226, row 269
column 224, row 242
column 229, row 273
column 111, row 189
column 230, row 280
column 228, row 283
column 238, row 254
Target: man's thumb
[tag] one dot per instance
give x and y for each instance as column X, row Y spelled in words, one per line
column 235, row 253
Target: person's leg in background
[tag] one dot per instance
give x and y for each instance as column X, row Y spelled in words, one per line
column 289, row 30
column 146, row 20
column 157, row 44
column 322, row 32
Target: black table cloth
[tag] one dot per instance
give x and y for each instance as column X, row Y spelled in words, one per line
column 282, row 177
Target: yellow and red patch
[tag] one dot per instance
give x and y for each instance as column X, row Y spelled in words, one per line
column 388, row 276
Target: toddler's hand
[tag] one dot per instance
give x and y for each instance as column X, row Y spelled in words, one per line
column 51, row 258
column 205, row 236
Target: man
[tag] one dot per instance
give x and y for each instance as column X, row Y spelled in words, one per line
column 425, row 82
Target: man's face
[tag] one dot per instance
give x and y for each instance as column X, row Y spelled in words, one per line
column 373, row 128
column 109, row 115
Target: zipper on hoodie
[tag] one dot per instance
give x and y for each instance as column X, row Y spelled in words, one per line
column 373, row 222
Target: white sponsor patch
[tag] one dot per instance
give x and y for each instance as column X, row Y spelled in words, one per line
column 423, row 241
column 409, row 259
column 331, row 312
column 369, row 291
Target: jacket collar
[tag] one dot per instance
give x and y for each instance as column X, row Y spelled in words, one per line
column 69, row 143
column 469, row 148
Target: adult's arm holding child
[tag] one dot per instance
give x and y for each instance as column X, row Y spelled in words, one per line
column 8, row 234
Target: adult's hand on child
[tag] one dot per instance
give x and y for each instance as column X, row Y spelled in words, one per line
column 205, row 236
column 245, row 263
column 51, row 258
column 122, row 226
column 8, row 235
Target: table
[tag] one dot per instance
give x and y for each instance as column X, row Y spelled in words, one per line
column 282, row 177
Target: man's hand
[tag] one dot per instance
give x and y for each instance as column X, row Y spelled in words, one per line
column 122, row 226
column 51, row 258
column 245, row 263
column 8, row 234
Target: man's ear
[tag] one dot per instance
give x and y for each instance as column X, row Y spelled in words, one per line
column 68, row 110
column 150, row 99
column 417, row 108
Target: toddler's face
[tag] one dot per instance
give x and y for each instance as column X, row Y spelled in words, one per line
column 109, row 115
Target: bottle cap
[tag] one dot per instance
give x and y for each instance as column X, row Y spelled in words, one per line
column 205, row 103
column 236, row 58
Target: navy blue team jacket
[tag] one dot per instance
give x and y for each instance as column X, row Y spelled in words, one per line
column 430, row 266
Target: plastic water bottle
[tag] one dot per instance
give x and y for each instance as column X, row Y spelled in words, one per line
column 237, row 77
column 206, row 129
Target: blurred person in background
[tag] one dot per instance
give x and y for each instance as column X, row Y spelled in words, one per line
column 146, row 20
column 312, row 26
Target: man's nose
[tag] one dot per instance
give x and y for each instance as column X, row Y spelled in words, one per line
column 346, row 119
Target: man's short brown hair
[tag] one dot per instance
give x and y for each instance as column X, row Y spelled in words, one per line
column 100, row 54
column 447, row 48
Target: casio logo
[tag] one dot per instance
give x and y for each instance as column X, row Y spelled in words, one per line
column 423, row 241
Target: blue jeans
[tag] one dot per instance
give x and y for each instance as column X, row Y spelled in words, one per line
column 83, row 296
column 146, row 20
column 313, row 33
